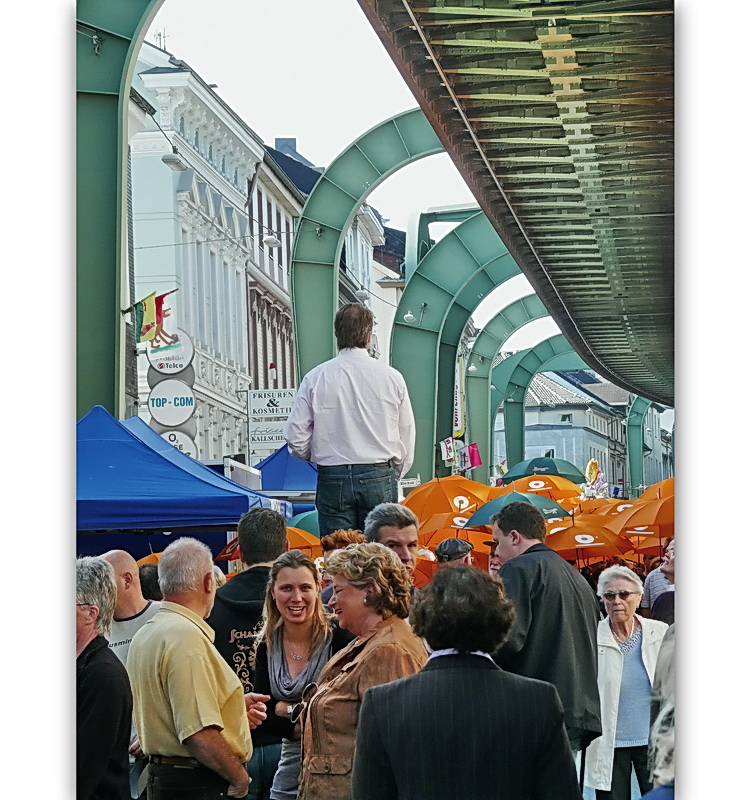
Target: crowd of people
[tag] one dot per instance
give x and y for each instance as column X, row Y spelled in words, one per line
column 300, row 681
column 263, row 687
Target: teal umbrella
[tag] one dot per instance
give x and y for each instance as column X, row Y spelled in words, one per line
column 549, row 508
column 544, row 466
column 306, row 521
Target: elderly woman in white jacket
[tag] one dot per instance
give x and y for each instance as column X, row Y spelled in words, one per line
column 627, row 645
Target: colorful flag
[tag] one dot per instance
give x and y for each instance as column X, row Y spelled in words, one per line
column 145, row 318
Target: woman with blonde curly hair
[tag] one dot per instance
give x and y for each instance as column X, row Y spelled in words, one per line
column 371, row 598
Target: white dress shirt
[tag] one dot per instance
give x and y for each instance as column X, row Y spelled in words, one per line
column 352, row 410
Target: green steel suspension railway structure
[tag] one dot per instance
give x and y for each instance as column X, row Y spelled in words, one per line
column 560, row 118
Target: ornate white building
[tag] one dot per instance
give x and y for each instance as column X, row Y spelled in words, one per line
column 192, row 164
column 191, row 231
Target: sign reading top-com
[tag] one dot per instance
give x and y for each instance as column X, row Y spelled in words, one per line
column 171, row 402
column 263, row 403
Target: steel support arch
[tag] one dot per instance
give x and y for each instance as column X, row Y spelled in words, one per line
column 480, row 413
column 512, row 379
column 109, row 36
column 325, row 220
column 445, row 289
column 634, row 437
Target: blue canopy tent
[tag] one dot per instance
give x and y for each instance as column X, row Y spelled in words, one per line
column 281, row 470
column 126, row 484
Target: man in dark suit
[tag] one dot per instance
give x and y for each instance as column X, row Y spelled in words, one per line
column 553, row 637
column 462, row 728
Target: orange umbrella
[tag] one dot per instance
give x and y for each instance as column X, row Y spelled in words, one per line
column 659, row 490
column 617, row 508
column 475, row 536
column 653, row 514
column 423, row 572
column 451, row 495
column 438, row 521
column 552, row 486
column 650, row 546
column 297, row 538
column 305, row 541
column 151, row 558
column 586, row 541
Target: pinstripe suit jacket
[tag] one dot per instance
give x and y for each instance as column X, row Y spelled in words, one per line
column 463, row 729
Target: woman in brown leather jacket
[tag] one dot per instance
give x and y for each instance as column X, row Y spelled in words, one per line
column 371, row 598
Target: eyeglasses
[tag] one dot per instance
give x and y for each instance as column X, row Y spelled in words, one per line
column 307, row 695
column 623, row 595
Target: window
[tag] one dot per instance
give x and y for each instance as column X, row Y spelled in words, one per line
column 566, row 418
column 549, row 453
column 197, row 140
column 210, row 154
column 182, row 126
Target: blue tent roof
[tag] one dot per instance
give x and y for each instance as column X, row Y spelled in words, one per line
column 281, row 470
column 124, row 483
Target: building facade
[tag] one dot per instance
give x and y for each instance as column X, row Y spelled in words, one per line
column 213, row 211
column 577, row 417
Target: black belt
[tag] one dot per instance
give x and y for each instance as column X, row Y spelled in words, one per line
column 175, row 761
column 388, row 463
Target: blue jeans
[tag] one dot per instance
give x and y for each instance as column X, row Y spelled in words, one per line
column 347, row 493
column 261, row 768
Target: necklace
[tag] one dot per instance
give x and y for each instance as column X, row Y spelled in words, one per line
column 294, row 655
column 631, row 642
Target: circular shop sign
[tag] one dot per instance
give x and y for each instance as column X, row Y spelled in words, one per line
column 171, row 403
column 182, row 442
column 172, row 358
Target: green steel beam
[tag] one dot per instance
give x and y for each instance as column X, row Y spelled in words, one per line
column 326, row 217
column 634, row 437
column 447, row 286
column 107, row 42
column 418, row 240
column 480, row 414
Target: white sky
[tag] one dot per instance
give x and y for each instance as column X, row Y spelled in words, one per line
column 325, row 83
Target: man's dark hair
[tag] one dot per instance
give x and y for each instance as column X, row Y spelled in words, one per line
column 462, row 607
column 262, row 535
column 149, row 576
column 353, row 325
column 522, row 517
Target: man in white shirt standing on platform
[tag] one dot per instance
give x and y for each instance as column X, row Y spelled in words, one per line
column 352, row 417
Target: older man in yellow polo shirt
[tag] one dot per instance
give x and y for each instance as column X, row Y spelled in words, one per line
column 192, row 718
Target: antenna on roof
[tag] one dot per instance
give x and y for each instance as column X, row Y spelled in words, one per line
column 160, row 38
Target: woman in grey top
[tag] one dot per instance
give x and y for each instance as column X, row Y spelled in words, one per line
column 297, row 640
column 627, row 646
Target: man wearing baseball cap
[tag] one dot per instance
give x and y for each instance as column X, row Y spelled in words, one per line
column 454, row 551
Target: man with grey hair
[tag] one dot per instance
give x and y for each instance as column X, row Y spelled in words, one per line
column 132, row 612
column 353, row 418
column 192, row 718
column 396, row 527
column 104, row 704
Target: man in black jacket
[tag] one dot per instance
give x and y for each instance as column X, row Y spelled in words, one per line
column 237, row 618
column 104, row 704
column 553, row 637
column 238, row 610
column 462, row 728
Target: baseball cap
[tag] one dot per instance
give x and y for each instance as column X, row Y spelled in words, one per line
column 453, row 549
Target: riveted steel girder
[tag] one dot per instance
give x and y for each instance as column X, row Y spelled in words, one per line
column 326, row 217
column 561, row 117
